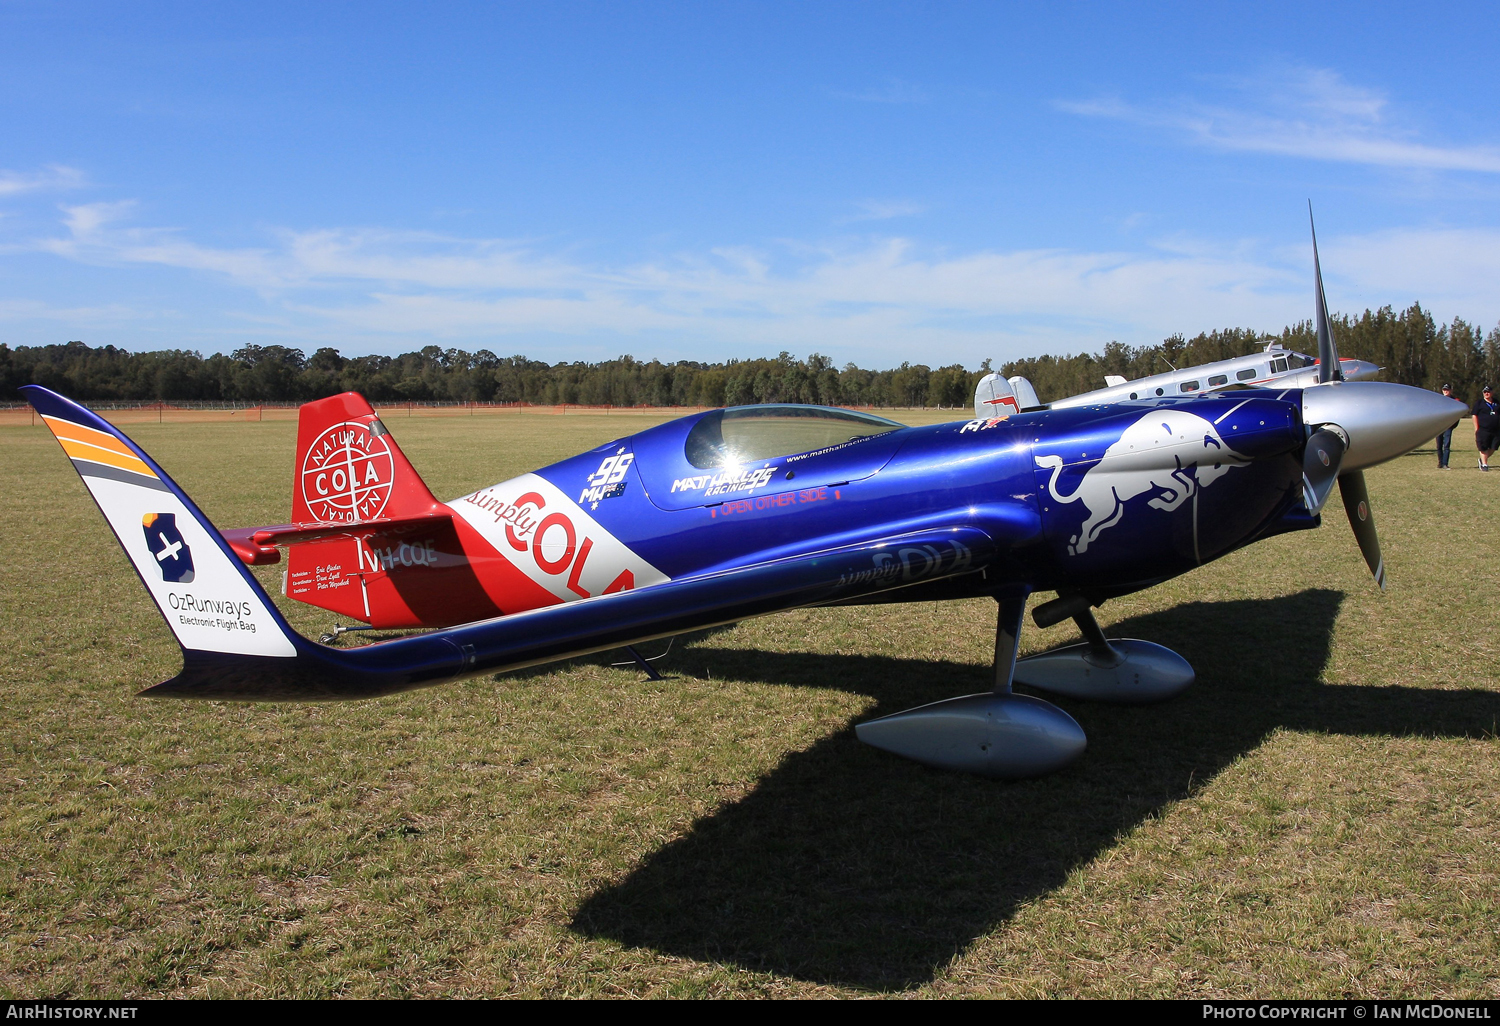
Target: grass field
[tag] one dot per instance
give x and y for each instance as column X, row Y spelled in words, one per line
column 1318, row 816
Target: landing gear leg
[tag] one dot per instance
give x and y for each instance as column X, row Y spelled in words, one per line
column 644, row 662
column 1007, row 640
column 1099, row 646
column 998, row 734
column 1101, row 669
column 640, row 661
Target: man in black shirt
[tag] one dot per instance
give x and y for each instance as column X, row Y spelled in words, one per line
column 1486, row 426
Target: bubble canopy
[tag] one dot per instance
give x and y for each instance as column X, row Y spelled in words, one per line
column 742, row 434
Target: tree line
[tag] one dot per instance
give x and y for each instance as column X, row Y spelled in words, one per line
column 1411, row 347
column 281, row 374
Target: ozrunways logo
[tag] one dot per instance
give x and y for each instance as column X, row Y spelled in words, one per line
column 166, row 543
column 347, row 473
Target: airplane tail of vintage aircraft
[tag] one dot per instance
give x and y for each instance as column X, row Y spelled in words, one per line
column 996, row 396
column 236, row 644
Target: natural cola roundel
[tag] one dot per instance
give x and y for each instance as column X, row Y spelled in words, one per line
column 347, row 473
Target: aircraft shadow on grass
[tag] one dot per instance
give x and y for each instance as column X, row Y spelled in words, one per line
column 848, row 866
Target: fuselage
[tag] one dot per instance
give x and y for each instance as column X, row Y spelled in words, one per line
column 1275, row 367
column 738, row 513
column 1116, row 496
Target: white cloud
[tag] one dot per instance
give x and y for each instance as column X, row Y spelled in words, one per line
column 1300, row 112
column 313, row 258
column 875, row 300
column 1450, row 270
column 87, row 219
column 55, row 176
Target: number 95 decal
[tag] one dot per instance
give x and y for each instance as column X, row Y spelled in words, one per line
column 608, row 481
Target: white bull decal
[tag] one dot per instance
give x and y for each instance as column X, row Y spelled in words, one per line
column 1171, row 451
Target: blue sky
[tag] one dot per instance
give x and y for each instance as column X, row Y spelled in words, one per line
column 937, row 182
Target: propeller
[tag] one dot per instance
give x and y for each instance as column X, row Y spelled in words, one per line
column 1357, row 504
column 1320, row 466
column 1328, row 356
column 1323, row 455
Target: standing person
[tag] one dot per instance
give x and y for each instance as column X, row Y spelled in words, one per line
column 1445, row 438
column 1486, row 426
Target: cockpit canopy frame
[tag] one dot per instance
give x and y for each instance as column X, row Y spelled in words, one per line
column 748, row 434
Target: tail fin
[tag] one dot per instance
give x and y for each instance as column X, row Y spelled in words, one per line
column 349, row 468
column 209, row 599
column 994, row 397
column 1025, row 393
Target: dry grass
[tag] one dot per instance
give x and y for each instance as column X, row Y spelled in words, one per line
column 1317, row 816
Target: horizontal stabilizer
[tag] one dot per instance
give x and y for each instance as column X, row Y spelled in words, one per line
column 257, row 546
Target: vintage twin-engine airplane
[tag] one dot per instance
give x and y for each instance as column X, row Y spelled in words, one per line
column 1274, row 367
column 739, row 512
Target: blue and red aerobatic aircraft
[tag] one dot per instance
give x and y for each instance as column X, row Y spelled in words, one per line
column 740, row 512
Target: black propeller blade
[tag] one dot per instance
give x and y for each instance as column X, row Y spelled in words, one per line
column 1357, row 505
column 1320, row 467
column 1328, row 356
column 1325, row 448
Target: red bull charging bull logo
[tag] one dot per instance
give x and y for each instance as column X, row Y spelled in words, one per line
column 1169, row 454
column 347, row 473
